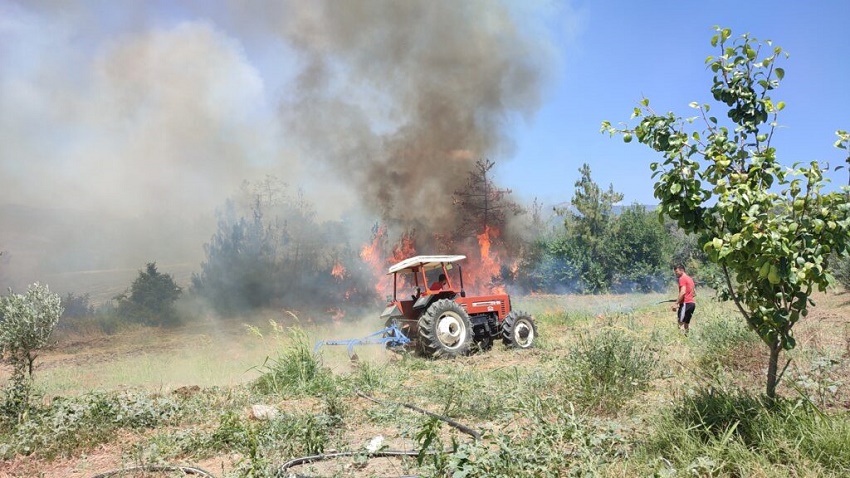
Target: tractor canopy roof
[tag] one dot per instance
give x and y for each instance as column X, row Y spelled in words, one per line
column 424, row 262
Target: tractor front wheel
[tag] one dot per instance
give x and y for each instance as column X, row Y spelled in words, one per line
column 519, row 330
column 445, row 330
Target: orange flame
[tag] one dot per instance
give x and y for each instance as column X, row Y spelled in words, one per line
column 338, row 271
column 488, row 267
column 372, row 256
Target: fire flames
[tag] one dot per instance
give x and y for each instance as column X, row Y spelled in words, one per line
column 481, row 273
column 482, row 276
column 338, row 271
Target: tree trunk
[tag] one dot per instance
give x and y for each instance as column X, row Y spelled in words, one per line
column 772, row 366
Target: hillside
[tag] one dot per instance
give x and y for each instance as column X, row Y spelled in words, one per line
column 87, row 252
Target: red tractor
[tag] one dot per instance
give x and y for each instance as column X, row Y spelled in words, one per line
column 430, row 307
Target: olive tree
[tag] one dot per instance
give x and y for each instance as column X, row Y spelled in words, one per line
column 770, row 228
column 26, row 322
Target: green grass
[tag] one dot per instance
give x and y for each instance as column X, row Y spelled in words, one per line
column 613, row 390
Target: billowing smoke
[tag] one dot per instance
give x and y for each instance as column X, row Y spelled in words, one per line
column 133, row 121
column 401, row 98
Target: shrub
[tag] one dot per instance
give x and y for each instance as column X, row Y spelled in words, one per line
column 610, row 367
column 26, row 322
column 70, row 424
column 151, row 299
column 296, row 370
column 728, row 432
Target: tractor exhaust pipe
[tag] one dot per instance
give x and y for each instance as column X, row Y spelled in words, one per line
column 460, row 272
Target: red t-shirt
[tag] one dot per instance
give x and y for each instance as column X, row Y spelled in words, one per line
column 688, row 283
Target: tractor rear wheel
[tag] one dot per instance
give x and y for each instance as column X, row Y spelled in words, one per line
column 445, row 330
column 519, row 330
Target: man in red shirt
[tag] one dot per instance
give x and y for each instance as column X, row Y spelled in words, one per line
column 685, row 304
column 440, row 283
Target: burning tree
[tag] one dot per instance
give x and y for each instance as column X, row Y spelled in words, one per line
column 483, row 206
column 484, row 210
column 269, row 249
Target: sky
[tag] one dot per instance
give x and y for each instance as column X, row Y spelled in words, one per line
column 157, row 111
column 614, row 53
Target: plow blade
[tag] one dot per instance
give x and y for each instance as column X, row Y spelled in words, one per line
column 391, row 336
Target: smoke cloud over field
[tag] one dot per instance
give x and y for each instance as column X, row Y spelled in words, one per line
column 153, row 113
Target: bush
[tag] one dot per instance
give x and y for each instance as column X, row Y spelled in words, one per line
column 70, row 424
column 151, row 299
column 726, row 431
column 296, row 370
column 610, row 367
column 26, row 322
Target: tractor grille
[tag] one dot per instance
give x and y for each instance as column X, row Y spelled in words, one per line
column 499, row 306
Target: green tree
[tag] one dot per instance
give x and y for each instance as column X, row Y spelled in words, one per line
column 592, row 207
column 77, row 306
column 151, row 299
column 637, row 250
column 771, row 229
column 26, row 322
column 587, row 223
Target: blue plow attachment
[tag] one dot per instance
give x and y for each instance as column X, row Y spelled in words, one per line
column 391, row 336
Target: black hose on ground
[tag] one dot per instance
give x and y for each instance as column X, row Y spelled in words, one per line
column 329, row 456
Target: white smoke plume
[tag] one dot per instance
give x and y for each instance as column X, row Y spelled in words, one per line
column 135, row 120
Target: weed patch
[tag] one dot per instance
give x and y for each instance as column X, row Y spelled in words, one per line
column 296, row 371
column 610, row 367
column 727, row 342
column 733, row 432
column 71, row 424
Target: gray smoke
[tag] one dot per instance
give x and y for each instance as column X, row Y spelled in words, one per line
column 149, row 115
column 400, row 98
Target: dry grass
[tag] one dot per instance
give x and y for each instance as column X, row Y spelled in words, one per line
column 229, row 354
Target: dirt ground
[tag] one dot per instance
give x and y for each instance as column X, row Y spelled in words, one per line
column 826, row 330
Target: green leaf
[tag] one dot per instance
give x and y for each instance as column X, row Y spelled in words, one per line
column 780, row 106
column 675, row 188
column 780, row 73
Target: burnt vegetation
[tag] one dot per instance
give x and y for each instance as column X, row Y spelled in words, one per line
column 270, row 250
